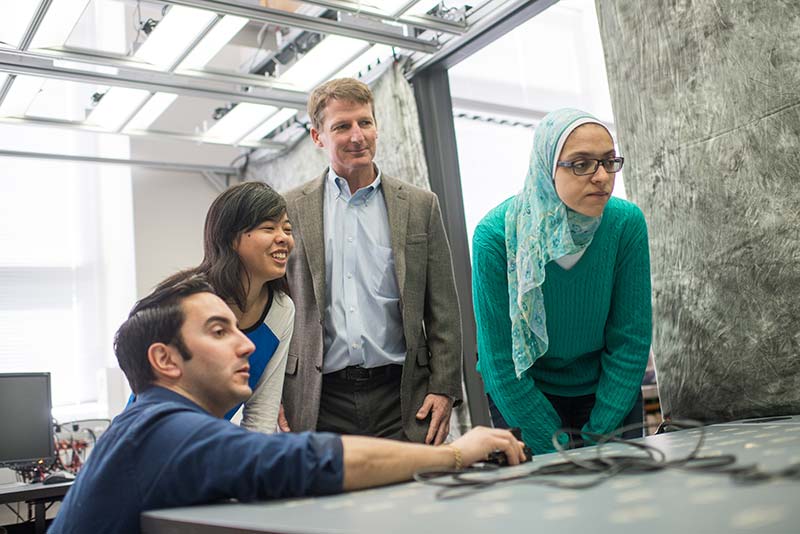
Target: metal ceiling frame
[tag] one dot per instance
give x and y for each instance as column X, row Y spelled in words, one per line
column 172, row 68
column 366, row 32
column 485, row 26
column 161, row 165
column 30, row 31
column 140, row 134
column 79, row 65
column 199, row 85
column 423, row 22
column 130, row 73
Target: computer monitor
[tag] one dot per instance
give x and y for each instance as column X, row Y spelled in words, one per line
column 26, row 425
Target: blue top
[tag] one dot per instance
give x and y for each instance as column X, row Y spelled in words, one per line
column 165, row 451
column 363, row 324
column 266, row 342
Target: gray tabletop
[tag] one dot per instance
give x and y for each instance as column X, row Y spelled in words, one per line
column 665, row 501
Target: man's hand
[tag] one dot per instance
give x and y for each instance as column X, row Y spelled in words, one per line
column 476, row 445
column 283, row 424
column 440, row 408
column 372, row 462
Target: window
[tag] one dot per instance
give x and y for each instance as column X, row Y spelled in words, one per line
column 499, row 94
column 66, row 257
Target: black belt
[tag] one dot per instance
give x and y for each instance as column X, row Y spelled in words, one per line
column 362, row 374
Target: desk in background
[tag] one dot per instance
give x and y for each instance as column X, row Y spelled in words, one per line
column 37, row 494
column 663, row 502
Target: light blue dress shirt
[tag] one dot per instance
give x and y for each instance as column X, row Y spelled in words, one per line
column 363, row 324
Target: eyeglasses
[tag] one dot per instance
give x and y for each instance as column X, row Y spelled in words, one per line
column 586, row 167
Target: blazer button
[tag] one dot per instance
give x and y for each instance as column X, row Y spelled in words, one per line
column 319, row 368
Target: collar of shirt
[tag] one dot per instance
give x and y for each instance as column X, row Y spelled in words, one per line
column 341, row 190
column 158, row 394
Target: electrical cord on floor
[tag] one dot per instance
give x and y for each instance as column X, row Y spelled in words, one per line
column 602, row 466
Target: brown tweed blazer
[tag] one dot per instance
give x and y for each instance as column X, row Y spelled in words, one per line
column 428, row 300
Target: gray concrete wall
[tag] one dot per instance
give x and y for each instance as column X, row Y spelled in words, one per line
column 706, row 95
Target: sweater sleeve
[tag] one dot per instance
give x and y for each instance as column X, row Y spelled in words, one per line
column 628, row 330
column 522, row 404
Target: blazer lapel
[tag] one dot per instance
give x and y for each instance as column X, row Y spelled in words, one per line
column 309, row 210
column 397, row 208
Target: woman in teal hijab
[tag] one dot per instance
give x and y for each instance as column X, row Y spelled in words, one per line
column 561, row 290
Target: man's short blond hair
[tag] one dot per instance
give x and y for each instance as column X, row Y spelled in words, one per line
column 345, row 89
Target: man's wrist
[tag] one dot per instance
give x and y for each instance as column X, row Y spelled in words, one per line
column 449, row 397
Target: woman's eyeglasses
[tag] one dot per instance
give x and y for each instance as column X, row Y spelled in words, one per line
column 586, row 167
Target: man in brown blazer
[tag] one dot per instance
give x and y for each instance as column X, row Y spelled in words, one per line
column 377, row 342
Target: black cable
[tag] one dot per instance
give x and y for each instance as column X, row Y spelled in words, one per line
column 600, row 468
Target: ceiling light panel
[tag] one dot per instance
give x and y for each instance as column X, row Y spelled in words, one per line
column 15, row 21
column 153, row 109
column 104, row 26
column 23, row 90
column 173, row 36
column 220, row 35
column 62, row 100
column 58, row 23
column 321, row 60
column 238, row 122
column 270, row 124
column 364, row 62
column 116, row 107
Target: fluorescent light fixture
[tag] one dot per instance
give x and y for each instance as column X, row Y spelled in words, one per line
column 15, row 21
column 174, row 35
column 365, row 60
column 23, row 90
column 220, row 35
column 315, row 66
column 61, row 18
column 61, row 100
column 146, row 116
column 271, row 123
column 116, row 107
column 239, row 122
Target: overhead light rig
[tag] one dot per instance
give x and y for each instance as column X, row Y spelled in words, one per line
column 272, row 90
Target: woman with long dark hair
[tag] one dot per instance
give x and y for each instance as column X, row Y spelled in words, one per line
column 247, row 241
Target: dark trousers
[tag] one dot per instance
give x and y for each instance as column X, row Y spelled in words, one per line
column 363, row 402
column 574, row 413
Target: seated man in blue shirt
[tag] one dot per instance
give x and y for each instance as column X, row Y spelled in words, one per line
column 187, row 361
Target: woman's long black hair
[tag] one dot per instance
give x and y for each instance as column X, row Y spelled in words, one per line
column 240, row 208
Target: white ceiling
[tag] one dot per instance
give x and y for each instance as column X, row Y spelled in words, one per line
column 172, row 68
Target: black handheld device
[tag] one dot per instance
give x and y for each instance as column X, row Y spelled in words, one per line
column 499, row 457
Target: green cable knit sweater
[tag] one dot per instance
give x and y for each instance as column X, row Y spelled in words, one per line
column 599, row 323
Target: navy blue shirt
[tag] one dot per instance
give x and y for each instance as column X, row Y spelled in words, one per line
column 165, row 451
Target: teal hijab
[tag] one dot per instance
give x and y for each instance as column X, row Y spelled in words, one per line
column 540, row 228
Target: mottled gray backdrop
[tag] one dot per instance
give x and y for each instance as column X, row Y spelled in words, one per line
column 706, row 95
